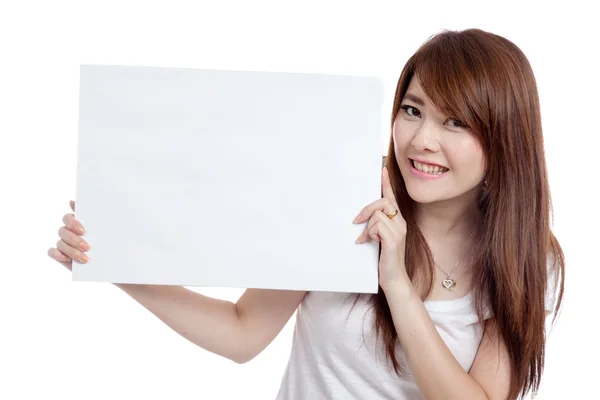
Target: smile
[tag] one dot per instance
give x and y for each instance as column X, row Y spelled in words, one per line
column 429, row 170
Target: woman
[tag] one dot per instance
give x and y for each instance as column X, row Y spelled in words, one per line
column 468, row 268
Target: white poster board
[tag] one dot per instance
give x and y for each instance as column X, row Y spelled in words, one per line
column 227, row 178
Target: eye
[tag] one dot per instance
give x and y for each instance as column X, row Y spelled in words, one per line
column 456, row 123
column 410, row 110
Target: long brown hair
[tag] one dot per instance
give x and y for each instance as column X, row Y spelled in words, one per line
column 485, row 81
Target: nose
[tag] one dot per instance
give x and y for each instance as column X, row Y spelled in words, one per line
column 426, row 138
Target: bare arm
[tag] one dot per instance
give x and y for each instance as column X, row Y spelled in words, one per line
column 491, row 368
column 237, row 331
column 437, row 373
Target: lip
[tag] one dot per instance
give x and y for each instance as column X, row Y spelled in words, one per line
column 424, row 175
column 426, row 162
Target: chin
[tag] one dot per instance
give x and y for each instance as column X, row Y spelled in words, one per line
column 426, row 195
column 422, row 195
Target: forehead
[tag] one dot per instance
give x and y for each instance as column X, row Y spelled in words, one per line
column 415, row 90
column 415, row 86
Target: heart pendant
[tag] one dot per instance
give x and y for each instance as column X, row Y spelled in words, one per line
column 449, row 284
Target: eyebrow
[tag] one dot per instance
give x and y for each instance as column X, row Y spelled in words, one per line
column 414, row 98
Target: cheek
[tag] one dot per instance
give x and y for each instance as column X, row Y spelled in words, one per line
column 467, row 156
column 401, row 136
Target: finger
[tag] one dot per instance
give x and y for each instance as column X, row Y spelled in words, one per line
column 71, row 252
column 383, row 230
column 385, row 221
column 364, row 236
column 377, row 216
column 58, row 255
column 66, row 261
column 73, row 239
column 72, row 204
column 382, row 204
column 73, row 225
column 374, row 231
column 386, row 186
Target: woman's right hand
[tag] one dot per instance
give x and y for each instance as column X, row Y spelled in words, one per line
column 71, row 245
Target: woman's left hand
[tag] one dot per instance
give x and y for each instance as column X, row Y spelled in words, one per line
column 389, row 232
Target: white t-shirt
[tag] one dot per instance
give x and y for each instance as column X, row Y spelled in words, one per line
column 335, row 354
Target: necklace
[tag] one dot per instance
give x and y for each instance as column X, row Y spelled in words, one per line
column 450, row 284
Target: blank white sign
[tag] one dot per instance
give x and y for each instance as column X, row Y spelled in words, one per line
column 227, row 178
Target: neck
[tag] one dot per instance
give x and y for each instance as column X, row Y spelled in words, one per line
column 447, row 218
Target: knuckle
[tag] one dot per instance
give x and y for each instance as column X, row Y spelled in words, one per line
column 64, row 233
column 63, row 247
column 72, row 234
column 58, row 255
column 66, row 249
column 71, row 222
column 67, row 218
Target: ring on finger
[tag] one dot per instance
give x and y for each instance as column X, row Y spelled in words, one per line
column 392, row 215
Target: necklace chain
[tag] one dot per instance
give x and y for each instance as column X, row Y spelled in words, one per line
column 444, row 272
column 456, row 264
column 452, row 270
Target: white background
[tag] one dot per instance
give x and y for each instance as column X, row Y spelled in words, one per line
column 91, row 341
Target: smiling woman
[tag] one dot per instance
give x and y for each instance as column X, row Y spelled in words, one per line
column 467, row 101
column 431, row 145
column 468, row 264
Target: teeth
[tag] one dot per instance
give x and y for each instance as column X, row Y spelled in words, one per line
column 429, row 169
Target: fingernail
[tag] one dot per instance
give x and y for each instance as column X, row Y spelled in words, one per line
column 356, row 219
column 80, row 229
column 84, row 259
column 358, row 239
column 84, row 246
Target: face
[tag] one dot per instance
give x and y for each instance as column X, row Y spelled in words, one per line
column 440, row 159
